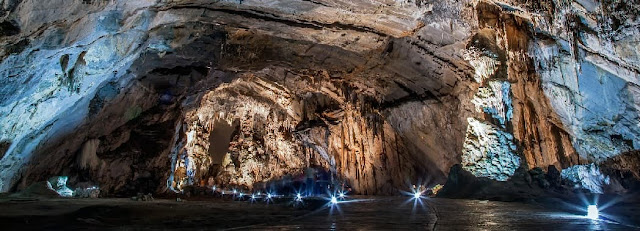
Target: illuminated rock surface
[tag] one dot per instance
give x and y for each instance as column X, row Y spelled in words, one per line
column 158, row 95
column 586, row 176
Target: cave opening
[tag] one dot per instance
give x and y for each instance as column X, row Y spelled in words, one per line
column 219, row 140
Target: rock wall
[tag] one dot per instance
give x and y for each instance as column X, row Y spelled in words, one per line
column 570, row 104
column 507, row 33
column 156, row 95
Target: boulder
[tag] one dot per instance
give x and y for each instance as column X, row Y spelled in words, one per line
column 462, row 184
column 59, row 185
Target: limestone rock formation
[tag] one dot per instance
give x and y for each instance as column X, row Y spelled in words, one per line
column 156, row 95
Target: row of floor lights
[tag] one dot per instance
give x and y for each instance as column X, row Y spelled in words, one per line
column 333, row 199
column 593, row 212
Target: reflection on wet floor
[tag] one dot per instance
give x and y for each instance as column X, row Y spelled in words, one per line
column 442, row 214
column 352, row 213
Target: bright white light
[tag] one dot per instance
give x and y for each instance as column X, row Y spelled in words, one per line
column 341, row 195
column 269, row 195
column 253, row 197
column 334, row 200
column 234, row 191
column 299, row 197
column 241, row 194
column 214, row 188
column 417, row 195
column 592, row 212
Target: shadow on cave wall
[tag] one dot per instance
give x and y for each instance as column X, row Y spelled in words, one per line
column 134, row 151
column 139, row 113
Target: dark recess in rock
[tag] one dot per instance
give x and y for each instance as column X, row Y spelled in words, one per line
column 4, row 146
column 219, row 140
column 18, row 47
column 9, row 28
column 104, row 94
column 146, row 142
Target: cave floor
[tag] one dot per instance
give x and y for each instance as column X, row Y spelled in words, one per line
column 362, row 213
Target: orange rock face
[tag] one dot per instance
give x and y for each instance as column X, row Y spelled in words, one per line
column 541, row 136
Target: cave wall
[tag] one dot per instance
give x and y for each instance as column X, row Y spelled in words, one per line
column 571, row 90
column 534, row 124
column 364, row 130
column 384, row 94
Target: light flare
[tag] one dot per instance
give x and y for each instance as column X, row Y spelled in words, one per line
column 592, row 212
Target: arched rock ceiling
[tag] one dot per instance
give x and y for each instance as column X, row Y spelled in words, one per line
column 382, row 93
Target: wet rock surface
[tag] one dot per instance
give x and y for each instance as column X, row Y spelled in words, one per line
column 379, row 213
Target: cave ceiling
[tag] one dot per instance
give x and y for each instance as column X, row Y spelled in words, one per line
column 158, row 95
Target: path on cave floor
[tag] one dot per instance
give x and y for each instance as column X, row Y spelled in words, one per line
column 439, row 214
